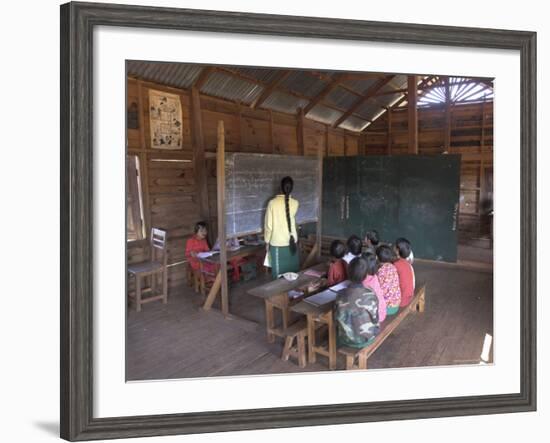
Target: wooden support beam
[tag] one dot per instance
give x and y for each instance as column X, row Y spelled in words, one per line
column 144, row 167
column 319, row 230
column 326, row 91
column 447, row 142
column 199, row 161
column 271, row 140
column 268, row 89
column 413, row 114
column 327, row 152
column 370, row 93
column 389, row 113
column 203, row 76
column 300, row 132
column 220, row 167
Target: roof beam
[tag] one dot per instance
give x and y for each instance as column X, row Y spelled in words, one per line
column 333, row 83
column 370, row 93
column 269, row 88
column 203, row 76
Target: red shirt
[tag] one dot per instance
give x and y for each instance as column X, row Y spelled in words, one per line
column 406, row 280
column 195, row 244
column 337, row 272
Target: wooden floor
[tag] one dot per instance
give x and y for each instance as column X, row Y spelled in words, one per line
column 179, row 340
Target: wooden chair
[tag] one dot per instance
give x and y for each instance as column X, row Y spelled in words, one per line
column 154, row 269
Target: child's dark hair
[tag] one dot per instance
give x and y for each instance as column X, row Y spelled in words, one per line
column 287, row 184
column 337, row 249
column 385, row 254
column 357, row 270
column 372, row 236
column 200, row 225
column 355, row 245
column 403, row 247
column 372, row 263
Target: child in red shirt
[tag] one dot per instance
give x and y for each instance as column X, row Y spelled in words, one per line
column 337, row 271
column 196, row 244
column 404, row 270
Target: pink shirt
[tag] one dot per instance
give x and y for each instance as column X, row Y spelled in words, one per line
column 372, row 282
column 389, row 282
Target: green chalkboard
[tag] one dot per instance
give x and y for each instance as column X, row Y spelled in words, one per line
column 414, row 196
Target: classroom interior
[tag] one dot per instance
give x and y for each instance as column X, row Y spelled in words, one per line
column 181, row 325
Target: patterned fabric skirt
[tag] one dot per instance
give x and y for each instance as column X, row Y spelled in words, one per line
column 283, row 261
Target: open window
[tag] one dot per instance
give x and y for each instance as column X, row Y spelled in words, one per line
column 135, row 226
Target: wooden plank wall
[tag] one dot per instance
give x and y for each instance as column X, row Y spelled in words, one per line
column 168, row 177
column 471, row 134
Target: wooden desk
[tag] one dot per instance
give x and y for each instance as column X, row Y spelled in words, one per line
column 242, row 252
column 275, row 295
column 317, row 316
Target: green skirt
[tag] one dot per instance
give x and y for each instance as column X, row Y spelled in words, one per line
column 283, row 261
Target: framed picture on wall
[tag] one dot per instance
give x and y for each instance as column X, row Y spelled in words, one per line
column 273, row 221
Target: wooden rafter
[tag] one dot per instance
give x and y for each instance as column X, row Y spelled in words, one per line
column 370, row 93
column 269, row 88
column 332, row 84
column 203, row 76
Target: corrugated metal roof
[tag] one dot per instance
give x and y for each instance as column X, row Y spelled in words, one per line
column 263, row 75
column 360, row 85
column 229, row 87
column 324, row 115
column 353, row 123
column 303, row 83
column 368, row 110
column 279, row 101
column 178, row 75
column 341, row 98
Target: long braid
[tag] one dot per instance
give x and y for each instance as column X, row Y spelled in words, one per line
column 286, row 187
column 288, row 222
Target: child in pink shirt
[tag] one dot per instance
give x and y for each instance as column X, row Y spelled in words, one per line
column 389, row 279
column 371, row 281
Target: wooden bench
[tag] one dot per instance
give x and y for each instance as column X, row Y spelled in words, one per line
column 295, row 342
column 357, row 358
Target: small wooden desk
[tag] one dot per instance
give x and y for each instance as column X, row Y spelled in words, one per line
column 275, row 295
column 317, row 316
column 242, row 252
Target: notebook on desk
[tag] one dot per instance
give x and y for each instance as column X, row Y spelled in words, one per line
column 322, row 298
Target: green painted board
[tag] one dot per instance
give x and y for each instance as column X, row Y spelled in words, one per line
column 411, row 196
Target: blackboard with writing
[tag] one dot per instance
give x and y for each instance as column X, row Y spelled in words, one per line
column 251, row 180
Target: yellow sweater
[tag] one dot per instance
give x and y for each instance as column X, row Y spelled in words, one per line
column 275, row 226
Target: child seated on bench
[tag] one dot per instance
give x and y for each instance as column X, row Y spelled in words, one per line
column 337, row 269
column 371, row 281
column 356, row 309
column 389, row 279
column 355, row 247
column 371, row 241
column 404, row 270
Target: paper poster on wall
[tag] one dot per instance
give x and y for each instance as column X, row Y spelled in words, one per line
column 165, row 118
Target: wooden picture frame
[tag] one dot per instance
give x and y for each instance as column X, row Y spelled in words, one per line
column 77, row 23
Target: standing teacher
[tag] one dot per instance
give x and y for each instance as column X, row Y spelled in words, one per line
column 280, row 231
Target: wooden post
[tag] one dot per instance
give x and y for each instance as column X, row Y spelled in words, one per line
column 220, row 159
column 271, row 137
column 300, row 132
column 320, row 204
column 482, row 184
column 327, row 153
column 345, row 145
column 413, row 114
column 144, row 167
column 447, row 145
column 199, row 161
column 389, row 112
